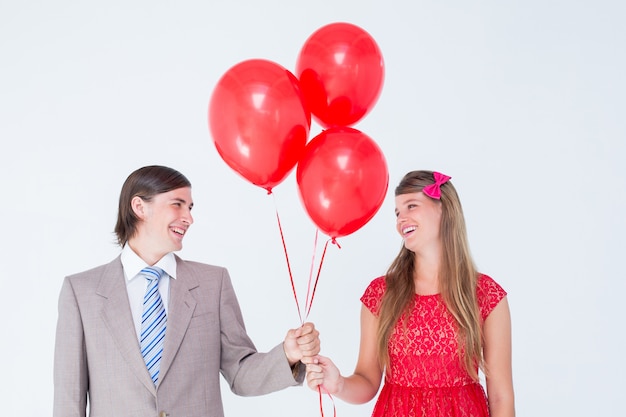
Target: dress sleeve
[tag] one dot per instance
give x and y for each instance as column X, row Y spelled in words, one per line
column 489, row 293
column 373, row 295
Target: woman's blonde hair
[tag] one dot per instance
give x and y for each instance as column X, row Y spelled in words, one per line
column 457, row 279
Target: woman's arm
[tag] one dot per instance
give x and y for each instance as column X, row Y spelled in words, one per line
column 497, row 351
column 363, row 384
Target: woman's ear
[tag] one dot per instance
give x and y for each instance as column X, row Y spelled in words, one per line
column 138, row 206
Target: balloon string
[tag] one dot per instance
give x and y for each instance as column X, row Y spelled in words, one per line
column 309, row 303
column 319, row 270
column 307, row 314
column 293, row 287
column 319, row 390
column 308, row 291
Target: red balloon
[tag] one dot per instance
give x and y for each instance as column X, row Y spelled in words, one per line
column 258, row 121
column 341, row 72
column 342, row 180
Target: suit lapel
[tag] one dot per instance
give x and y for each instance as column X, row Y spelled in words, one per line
column 118, row 319
column 180, row 310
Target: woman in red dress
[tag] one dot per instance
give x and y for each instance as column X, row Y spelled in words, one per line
column 431, row 322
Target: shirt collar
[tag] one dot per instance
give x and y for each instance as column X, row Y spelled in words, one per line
column 133, row 264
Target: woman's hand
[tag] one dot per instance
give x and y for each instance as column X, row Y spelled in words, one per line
column 323, row 373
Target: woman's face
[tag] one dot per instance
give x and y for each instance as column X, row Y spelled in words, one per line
column 418, row 221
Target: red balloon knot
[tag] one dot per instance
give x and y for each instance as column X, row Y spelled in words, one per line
column 334, row 242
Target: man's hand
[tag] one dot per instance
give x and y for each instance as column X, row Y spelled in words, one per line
column 302, row 343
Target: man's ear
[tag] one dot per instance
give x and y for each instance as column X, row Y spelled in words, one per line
column 138, row 206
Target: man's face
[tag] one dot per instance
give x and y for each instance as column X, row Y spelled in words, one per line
column 165, row 221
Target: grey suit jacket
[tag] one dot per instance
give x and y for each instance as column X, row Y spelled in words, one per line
column 98, row 365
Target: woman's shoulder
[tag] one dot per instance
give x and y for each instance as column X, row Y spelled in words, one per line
column 377, row 285
column 374, row 293
column 489, row 293
column 487, row 283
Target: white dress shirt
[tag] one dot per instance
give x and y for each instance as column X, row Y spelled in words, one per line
column 136, row 285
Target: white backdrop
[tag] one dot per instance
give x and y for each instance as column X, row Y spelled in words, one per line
column 521, row 102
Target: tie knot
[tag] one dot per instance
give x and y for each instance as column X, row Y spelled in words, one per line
column 152, row 273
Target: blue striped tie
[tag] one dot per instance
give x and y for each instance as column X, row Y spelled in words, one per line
column 153, row 322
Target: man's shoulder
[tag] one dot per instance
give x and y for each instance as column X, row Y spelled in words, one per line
column 199, row 266
column 114, row 265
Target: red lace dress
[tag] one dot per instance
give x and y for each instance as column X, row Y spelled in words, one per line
column 426, row 376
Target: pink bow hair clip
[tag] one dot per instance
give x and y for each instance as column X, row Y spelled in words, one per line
column 434, row 190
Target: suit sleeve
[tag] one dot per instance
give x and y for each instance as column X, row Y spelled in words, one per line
column 70, row 361
column 247, row 371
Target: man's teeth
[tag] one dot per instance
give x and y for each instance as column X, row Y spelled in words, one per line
column 179, row 231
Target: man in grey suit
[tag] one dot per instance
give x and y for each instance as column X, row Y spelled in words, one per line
column 99, row 362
